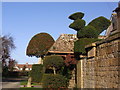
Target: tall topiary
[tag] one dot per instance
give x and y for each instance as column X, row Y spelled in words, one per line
column 39, row 44
column 54, row 62
column 101, row 23
column 37, row 72
column 87, row 34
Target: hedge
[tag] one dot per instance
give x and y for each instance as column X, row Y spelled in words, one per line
column 79, row 45
column 77, row 15
column 77, row 24
column 37, row 73
column 87, row 32
column 54, row 81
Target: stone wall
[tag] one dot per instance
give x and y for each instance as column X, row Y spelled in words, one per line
column 100, row 69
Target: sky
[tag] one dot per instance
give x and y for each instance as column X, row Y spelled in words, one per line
column 23, row 20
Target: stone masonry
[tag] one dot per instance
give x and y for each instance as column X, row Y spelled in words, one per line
column 101, row 67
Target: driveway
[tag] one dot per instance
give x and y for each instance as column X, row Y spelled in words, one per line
column 12, row 82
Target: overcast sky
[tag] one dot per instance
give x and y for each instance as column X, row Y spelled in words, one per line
column 23, row 20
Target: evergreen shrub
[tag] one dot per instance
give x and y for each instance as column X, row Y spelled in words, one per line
column 37, row 73
column 39, row 44
column 101, row 23
column 54, row 81
column 77, row 24
column 77, row 15
column 87, row 32
column 79, row 45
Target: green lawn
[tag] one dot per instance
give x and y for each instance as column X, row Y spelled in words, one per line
column 25, row 83
column 30, row 88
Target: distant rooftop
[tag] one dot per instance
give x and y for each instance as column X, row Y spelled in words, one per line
column 64, row 44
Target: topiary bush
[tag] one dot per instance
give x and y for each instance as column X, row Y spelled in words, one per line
column 87, row 32
column 55, row 62
column 54, row 81
column 79, row 45
column 77, row 15
column 77, row 24
column 101, row 23
column 39, row 44
column 37, row 73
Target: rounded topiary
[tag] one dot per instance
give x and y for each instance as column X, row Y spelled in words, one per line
column 101, row 23
column 54, row 81
column 55, row 62
column 87, row 32
column 39, row 44
column 77, row 15
column 77, row 24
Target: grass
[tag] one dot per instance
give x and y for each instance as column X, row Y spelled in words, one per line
column 25, row 83
column 30, row 88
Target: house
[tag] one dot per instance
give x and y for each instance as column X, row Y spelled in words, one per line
column 22, row 67
column 64, row 46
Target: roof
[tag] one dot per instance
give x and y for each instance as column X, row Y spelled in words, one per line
column 22, row 65
column 64, row 44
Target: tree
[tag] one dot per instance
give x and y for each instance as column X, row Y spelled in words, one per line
column 39, row 45
column 55, row 62
column 7, row 46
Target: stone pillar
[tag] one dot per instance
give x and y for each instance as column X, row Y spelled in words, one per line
column 40, row 60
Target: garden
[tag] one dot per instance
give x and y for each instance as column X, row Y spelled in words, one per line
column 54, row 73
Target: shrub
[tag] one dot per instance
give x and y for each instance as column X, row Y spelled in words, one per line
column 77, row 24
column 5, row 71
column 37, row 73
column 39, row 44
column 79, row 45
column 77, row 15
column 55, row 62
column 24, row 73
column 87, row 32
column 54, row 81
column 100, row 23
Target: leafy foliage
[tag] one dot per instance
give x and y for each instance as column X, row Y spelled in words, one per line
column 70, row 60
column 39, row 44
column 79, row 45
column 77, row 15
column 53, row 61
column 54, row 81
column 87, row 32
column 37, row 72
column 101, row 23
column 77, row 24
